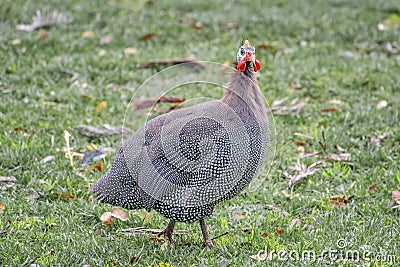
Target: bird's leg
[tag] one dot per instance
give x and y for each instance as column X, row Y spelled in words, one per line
column 168, row 232
column 206, row 236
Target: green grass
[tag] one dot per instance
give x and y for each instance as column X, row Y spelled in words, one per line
column 38, row 98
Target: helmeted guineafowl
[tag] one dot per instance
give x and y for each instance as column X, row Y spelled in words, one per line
column 184, row 162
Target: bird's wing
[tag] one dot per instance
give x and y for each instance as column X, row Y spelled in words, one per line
column 187, row 151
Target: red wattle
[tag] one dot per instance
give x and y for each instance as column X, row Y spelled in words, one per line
column 241, row 66
column 257, row 66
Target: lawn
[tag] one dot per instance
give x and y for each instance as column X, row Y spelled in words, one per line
column 339, row 59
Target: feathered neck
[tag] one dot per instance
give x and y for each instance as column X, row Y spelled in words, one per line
column 244, row 95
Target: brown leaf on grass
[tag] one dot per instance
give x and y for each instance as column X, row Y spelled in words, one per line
column 133, row 259
column 300, row 143
column 7, row 182
column 372, row 187
column 43, row 19
column 98, row 167
column 265, row 234
column 105, row 40
column 2, row 206
column 239, row 216
column 147, row 36
column 106, row 218
column 63, row 195
column 279, row 231
column 278, row 210
column 339, row 200
column 396, row 197
column 158, row 240
column 328, row 110
column 148, row 102
column 101, row 106
column 119, row 214
column 298, row 172
column 190, row 62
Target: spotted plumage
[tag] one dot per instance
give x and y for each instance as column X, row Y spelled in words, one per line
column 183, row 163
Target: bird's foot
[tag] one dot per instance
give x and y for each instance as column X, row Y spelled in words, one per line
column 208, row 244
column 167, row 233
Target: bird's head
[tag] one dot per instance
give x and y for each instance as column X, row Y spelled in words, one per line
column 246, row 58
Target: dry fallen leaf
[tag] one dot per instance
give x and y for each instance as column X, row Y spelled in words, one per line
column 147, row 36
column 339, row 200
column 119, row 214
column 98, row 167
column 327, row 110
column 380, row 139
column 372, row 187
column 106, row 218
column 279, row 231
column 265, row 234
column 300, row 143
column 133, row 259
column 239, row 216
column 101, row 106
column 2, row 206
